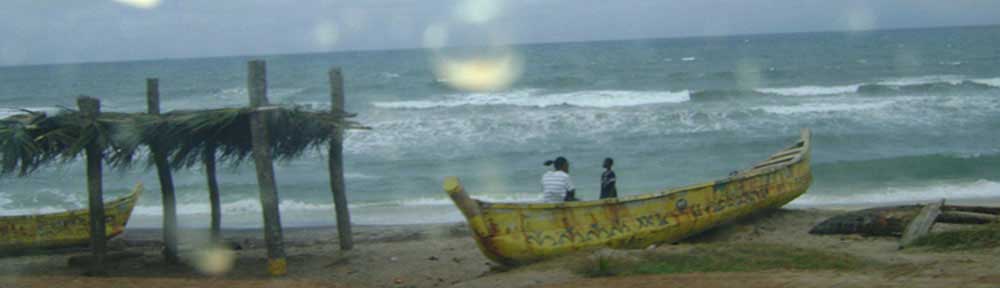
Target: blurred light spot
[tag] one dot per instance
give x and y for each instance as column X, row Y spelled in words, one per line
column 216, row 260
column 435, row 36
column 141, row 4
column 860, row 18
column 718, row 26
column 12, row 54
column 489, row 172
column 748, row 74
column 354, row 19
column 479, row 73
column 477, row 11
column 326, row 34
column 906, row 61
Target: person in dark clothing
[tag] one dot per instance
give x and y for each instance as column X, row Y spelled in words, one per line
column 608, row 189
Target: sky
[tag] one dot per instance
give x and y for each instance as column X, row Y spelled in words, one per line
column 70, row 31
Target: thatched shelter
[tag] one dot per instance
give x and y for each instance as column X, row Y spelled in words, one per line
column 181, row 139
column 187, row 138
column 33, row 139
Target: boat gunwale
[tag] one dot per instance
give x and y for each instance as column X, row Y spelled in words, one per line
column 804, row 144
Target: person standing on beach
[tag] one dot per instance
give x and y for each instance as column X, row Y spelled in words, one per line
column 608, row 189
column 556, row 184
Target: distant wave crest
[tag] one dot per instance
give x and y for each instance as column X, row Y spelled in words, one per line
column 534, row 98
column 921, row 84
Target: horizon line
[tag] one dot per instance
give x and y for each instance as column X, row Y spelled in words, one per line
column 529, row 43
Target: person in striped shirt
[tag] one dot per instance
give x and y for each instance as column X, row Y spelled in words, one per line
column 556, row 184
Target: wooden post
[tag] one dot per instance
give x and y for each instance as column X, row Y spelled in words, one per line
column 260, row 135
column 90, row 108
column 336, row 163
column 165, row 177
column 208, row 158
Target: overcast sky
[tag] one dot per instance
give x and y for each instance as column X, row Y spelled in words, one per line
column 60, row 31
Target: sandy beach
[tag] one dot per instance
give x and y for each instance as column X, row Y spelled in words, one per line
column 443, row 255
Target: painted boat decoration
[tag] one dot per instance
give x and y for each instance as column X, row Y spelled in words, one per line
column 64, row 229
column 517, row 233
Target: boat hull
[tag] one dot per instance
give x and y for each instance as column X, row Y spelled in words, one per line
column 516, row 233
column 63, row 229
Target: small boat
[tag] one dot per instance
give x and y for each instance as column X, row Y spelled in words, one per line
column 518, row 233
column 64, row 229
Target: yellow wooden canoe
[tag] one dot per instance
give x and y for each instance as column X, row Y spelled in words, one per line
column 516, row 233
column 64, row 229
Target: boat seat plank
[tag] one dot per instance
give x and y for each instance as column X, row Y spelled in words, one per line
column 786, row 153
column 774, row 161
column 921, row 225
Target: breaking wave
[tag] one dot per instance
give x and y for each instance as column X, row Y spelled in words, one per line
column 910, row 168
column 810, row 90
column 827, row 107
column 539, row 98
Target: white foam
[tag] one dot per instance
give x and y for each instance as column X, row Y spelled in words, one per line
column 444, row 135
column 995, row 82
column 360, row 176
column 815, row 90
column 515, row 198
column 243, row 206
column 252, row 206
column 533, row 98
column 7, row 112
column 970, row 190
column 825, row 107
column 688, row 59
column 810, row 90
column 229, row 97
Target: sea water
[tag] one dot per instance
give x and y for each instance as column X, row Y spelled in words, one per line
column 897, row 116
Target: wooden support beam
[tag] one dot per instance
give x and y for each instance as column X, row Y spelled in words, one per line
column 336, row 163
column 208, row 158
column 90, row 109
column 921, row 225
column 85, row 261
column 960, row 217
column 166, row 178
column 973, row 209
column 260, row 135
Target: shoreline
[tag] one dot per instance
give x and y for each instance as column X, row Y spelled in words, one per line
column 329, row 221
column 972, row 201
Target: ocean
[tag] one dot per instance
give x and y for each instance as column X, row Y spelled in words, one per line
column 897, row 116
